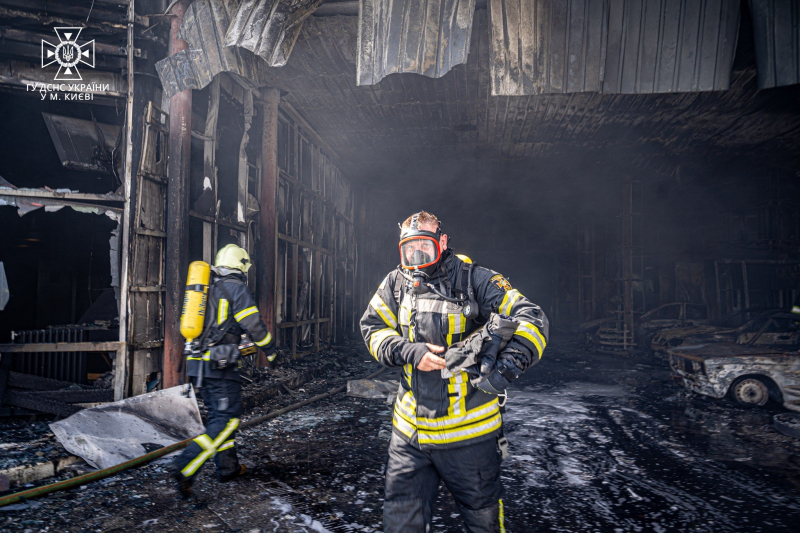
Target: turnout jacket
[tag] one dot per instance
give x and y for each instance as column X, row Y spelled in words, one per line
column 431, row 410
column 230, row 306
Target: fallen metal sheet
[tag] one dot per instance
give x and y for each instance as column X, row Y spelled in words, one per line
column 117, row 432
column 776, row 29
column 417, row 36
column 78, row 144
column 269, row 28
column 204, row 27
column 611, row 46
column 374, row 389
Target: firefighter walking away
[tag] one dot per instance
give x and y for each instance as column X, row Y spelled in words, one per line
column 212, row 360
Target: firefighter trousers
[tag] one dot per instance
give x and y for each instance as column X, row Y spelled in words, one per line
column 223, row 401
column 471, row 474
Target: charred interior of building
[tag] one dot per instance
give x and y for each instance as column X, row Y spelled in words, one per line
column 629, row 168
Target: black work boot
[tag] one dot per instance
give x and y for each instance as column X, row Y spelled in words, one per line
column 230, row 477
column 183, row 486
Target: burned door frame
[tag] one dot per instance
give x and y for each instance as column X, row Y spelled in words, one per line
column 314, row 210
column 146, row 284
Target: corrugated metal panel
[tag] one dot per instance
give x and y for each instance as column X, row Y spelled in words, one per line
column 611, row 46
column 661, row 46
column 776, row 28
column 423, row 36
column 547, row 46
column 269, row 28
column 204, row 26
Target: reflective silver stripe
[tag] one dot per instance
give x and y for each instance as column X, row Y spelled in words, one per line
column 445, row 437
column 377, row 338
column 244, row 313
column 454, row 421
column 226, row 445
column 508, row 302
column 204, row 441
column 428, row 305
column 531, row 332
column 222, row 312
column 265, row 340
column 383, row 310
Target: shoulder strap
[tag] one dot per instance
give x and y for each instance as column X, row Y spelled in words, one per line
column 398, row 289
column 210, row 323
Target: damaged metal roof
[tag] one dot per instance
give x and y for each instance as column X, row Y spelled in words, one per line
column 421, row 36
column 776, row 29
column 204, row 27
column 269, row 28
column 611, row 46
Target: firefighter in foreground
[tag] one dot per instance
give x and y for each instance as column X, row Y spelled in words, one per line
column 461, row 334
column 213, row 362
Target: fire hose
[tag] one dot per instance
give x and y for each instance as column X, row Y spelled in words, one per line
column 106, row 472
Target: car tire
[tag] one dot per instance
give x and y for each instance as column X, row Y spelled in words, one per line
column 750, row 392
column 788, row 424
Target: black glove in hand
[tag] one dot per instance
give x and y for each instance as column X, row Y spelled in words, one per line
column 494, row 383
column 411, row 352
column 489, row 352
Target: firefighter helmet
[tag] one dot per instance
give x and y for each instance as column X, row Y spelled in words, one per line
column 232, row 256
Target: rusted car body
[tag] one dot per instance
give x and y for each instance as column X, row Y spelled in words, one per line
column 750, row 373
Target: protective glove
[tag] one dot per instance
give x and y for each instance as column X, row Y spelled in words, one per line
column 410, row 352
column 269, row 350
column 498, row 379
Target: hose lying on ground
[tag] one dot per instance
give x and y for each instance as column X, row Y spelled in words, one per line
column 100, row 474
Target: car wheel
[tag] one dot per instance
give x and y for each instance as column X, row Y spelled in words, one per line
column 788, row 424
column 750, row 392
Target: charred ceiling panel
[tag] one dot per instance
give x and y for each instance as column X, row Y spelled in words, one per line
column 776, row 28
column 547, row 46
column 611, row 46
column 269, row 28
column 204, row 26
column 423, row 36
column 662, row 46
column 82, row 144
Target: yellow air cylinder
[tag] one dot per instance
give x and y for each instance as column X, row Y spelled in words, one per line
column 193, row 315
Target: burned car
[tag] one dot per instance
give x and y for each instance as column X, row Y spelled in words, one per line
column 670, row 316
column 748, row 371
column 755, row 329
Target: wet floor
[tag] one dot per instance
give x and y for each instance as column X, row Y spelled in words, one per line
column 599, row 443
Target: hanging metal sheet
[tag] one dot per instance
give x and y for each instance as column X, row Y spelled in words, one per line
column 204, row 26
column 611, row 46
column 776, row 28
column 423, row 36
column 269, row 28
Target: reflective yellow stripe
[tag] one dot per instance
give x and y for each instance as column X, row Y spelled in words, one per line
column 508, row 302
column 407, row 370
column 457, row 390
column 226, row 445
column 245, row 313
column 472, row 416
column 502, row 518
column 405, row 313
column 194, row 358
column 265, row 340
column 383, row 310
column 456, row 324
column 460, row 434
column 532, row 333
column 206, row 357
column 404, row 427
column 210, row 447
column 377, row 338
column 222, row 312
column 204, row 441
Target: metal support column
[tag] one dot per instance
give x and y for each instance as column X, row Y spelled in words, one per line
column 268, row 247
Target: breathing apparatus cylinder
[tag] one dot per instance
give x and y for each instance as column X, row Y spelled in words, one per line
column 195, row 300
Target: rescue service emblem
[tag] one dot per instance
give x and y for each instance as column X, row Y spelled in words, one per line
column 500, row 282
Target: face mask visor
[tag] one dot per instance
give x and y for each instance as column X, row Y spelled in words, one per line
column 419, row 251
